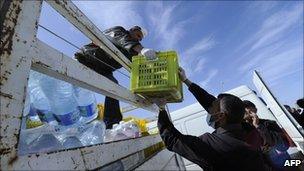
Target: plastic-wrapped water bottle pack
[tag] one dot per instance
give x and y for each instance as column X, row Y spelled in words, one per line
column 123, row 130
column 58, row 115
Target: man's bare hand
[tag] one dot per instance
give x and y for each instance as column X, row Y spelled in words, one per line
column 255, row 119
column 182, row 74
column 161, row 103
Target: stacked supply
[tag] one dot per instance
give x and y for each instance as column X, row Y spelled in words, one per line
column 141, row 124
column 123, row 130
column 39, row 101
column 38, row 139
column 92, row 133
column 63, row 103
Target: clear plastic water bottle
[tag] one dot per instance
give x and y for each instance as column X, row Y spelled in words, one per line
column 71, row 142
column 65, row 109
column 109, row 135
column 86, row 103
column 39, row 100
column 68, row 135
column 47, row 85
column 93, row 133
column 46, row 142
column 67, row 114
column 62, row 101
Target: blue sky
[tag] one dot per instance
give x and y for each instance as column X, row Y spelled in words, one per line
column 219, row 43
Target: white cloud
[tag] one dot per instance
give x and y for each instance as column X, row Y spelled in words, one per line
column 106, row 14
column 270, row 51
column 167, row 30
column 164, row 27
column 200, row 65
column 276, row 61
column 201, row 46
column 211, row 75
column 279, row 77
column 257, row 58
column 196, row 51
column 283, row 64
column 274, row 27
column 262, row 6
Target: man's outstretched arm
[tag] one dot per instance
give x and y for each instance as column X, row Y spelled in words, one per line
column 201, row 95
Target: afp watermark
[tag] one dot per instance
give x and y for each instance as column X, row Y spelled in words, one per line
column 292, row 163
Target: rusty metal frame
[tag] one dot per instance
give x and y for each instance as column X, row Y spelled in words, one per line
column 18, row 32
column 21, row 51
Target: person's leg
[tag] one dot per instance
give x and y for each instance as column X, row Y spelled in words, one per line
column 112, row 113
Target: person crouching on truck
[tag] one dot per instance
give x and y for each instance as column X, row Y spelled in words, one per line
column 275, row 143
column 227, row 148
column 128, row 42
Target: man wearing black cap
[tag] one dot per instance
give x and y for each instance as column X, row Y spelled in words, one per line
column 229, row 147
column 128, row 42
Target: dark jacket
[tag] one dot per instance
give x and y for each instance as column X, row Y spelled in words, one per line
column 121, row 39
column 272, row 135
column 104, row 62
column 272, row 138
column 227, row 148
column 206, row 100
column 224, row 149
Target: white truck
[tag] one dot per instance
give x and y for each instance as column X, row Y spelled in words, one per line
column 22, row 51
column 191, row 120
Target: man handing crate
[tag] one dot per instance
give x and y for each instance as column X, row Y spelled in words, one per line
column 230, row 147
column 128, row 42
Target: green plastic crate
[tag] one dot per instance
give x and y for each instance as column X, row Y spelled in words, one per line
column 157, row 79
